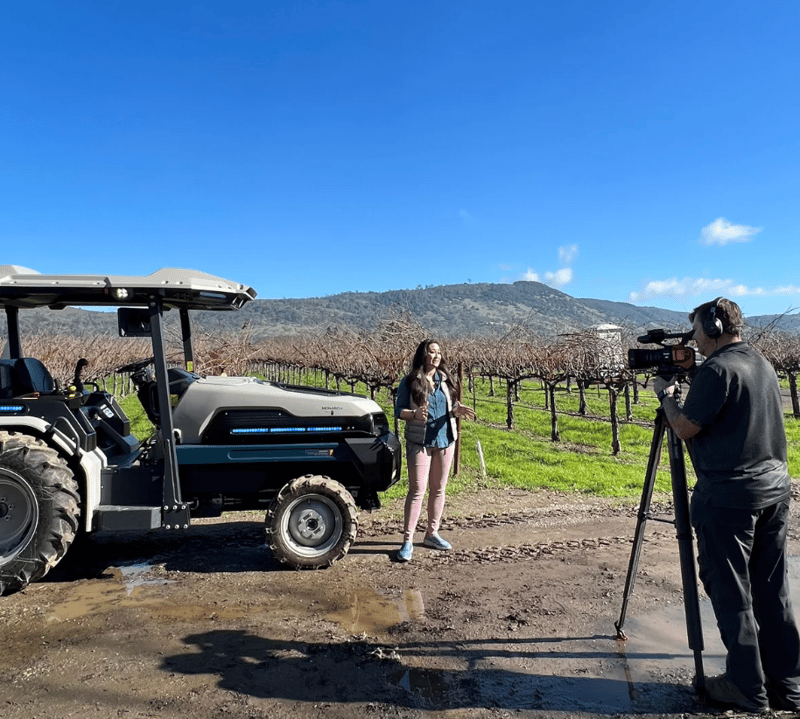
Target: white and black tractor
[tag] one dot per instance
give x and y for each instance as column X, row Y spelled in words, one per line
column 310, row 458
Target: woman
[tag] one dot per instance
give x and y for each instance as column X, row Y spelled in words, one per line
column 427, row 402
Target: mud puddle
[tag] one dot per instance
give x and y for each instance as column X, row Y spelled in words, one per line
column 659, row 639
column 123, row 589
column 372, row 612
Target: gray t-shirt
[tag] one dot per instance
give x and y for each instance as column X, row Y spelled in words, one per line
column 739, row 455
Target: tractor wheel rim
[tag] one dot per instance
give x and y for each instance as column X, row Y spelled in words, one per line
column 19, row 515
column 313, row 524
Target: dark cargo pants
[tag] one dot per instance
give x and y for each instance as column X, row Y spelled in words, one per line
column 743, row 567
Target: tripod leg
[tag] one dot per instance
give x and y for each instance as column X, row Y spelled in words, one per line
column 641, row 522
column 683, row 529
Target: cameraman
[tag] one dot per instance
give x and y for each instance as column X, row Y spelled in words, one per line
column 733, row 421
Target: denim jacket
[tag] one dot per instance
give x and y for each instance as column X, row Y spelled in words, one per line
column 416, row 430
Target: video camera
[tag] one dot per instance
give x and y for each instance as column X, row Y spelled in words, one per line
column 670, row 360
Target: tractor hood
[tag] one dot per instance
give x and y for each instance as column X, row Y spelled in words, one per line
column 264, row 402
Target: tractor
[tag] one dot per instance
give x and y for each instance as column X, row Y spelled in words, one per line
column 309, row 458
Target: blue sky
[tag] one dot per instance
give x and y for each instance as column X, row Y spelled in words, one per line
column 638, row 151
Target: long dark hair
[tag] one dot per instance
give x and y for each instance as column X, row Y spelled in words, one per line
column 418, row 384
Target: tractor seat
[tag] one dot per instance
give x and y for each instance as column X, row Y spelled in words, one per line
column 6, row 380
column 24, row 376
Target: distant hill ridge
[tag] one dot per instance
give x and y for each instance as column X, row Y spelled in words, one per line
column 445, row 310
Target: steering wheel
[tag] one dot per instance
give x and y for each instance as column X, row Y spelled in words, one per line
column 132, row 367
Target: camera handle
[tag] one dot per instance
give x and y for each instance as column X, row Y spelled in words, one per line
column 683, row 529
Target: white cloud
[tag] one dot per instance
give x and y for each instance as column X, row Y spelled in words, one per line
column 722, row 232
column 567, row 254
column 562, row 276
column 559, row 278
column 693, row 287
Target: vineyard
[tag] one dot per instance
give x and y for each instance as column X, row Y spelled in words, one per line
column 565, row 413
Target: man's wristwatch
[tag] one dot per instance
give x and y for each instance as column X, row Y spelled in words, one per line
column 663, row 394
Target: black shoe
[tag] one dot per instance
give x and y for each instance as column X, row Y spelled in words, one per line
column 781, row 702
column 722, row 692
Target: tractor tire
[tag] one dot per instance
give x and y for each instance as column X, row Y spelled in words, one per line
column 39, row 510
column 311, row 523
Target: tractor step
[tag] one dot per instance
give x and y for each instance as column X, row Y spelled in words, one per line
column 116, row 518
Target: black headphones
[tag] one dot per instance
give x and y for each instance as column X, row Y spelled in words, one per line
column 712, row 325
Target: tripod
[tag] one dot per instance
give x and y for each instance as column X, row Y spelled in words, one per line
column 683, row 528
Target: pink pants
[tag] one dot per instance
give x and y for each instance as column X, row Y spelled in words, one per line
column 426, row 466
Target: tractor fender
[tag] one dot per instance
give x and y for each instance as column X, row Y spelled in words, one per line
column 88, row 466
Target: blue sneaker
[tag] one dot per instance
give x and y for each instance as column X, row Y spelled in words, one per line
column 434, row 541
column 405, row 552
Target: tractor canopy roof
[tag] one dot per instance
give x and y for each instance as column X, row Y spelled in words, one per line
column 177, row 288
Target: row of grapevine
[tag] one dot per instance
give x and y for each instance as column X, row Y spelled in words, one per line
column 379, row 358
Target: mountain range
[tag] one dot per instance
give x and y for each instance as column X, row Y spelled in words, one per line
column 444, row 310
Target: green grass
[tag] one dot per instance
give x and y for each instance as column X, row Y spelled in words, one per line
column 141, row 426
column 516, row 459
column 526, row 458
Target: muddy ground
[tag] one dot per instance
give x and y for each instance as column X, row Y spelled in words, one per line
column 517, row 621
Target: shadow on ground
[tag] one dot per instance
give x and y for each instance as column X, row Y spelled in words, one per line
column 364, row 672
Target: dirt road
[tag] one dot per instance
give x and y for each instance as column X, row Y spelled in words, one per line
column 517, row 621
